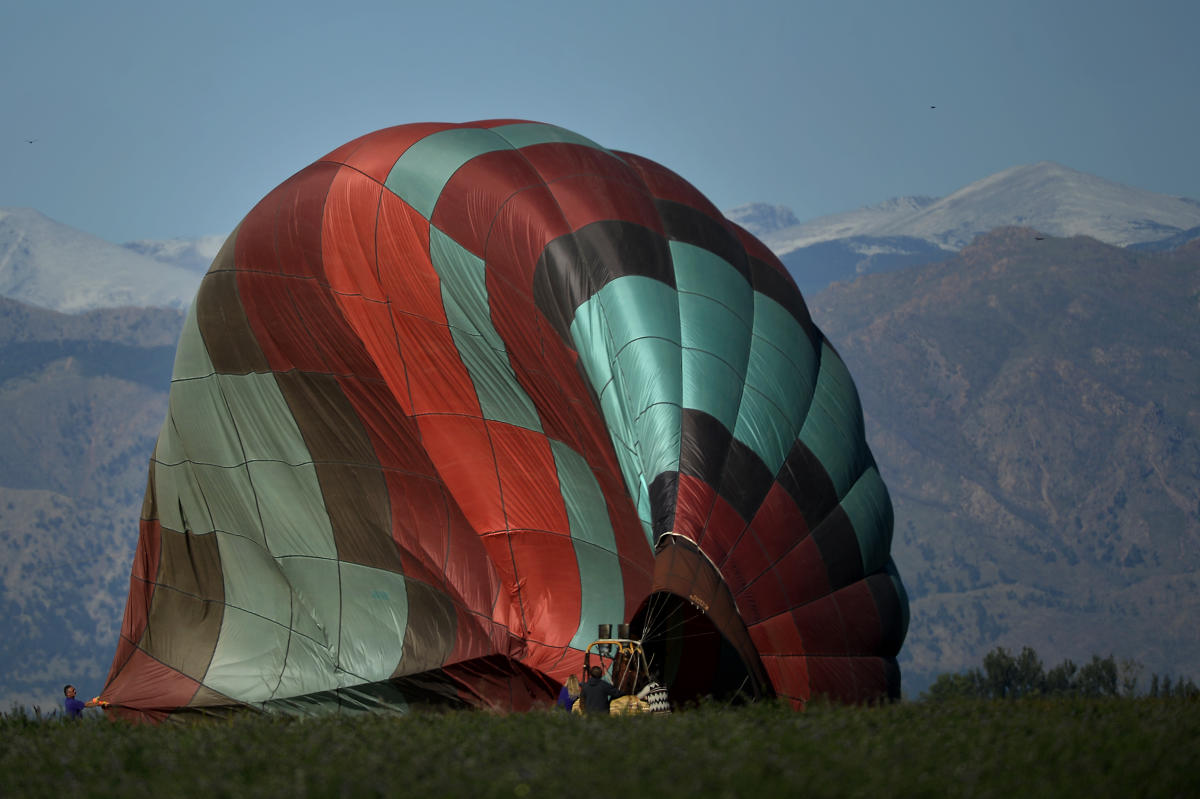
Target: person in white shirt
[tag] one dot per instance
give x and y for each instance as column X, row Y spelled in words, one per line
column 654, row 694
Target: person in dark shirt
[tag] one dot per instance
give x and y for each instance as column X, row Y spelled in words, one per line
column 597, row 692
column 74, row 707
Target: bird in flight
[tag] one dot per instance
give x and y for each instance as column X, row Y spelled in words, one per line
column 30, row 141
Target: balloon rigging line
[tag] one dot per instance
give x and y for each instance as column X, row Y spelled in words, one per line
column 738, row 692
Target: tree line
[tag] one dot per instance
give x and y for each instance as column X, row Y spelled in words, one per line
column 1004, row 675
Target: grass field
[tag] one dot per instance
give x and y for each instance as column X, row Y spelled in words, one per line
column 1086, row 748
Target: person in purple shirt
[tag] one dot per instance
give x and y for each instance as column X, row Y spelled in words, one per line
column 74, row 707
column 569, row 693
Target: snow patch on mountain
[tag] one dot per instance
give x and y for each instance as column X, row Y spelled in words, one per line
column 195, row 255
column 51, row 265
column 867, row 221
column 762, row 219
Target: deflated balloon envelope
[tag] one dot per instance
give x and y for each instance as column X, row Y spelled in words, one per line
column 454, row 395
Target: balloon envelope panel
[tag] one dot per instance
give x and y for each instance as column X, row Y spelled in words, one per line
column 454, row 395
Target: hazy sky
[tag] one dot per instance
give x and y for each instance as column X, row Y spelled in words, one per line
column 164, row 119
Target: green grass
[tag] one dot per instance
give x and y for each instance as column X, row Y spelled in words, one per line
column 1086, row 748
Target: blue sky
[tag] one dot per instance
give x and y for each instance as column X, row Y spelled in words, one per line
column 164, row 119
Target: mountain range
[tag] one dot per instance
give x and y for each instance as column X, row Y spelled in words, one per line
column 51, row 265
column 1031, row 397
column 1054, row 199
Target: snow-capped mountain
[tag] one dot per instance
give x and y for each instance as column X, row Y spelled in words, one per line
column 1049, row 197
column 51, row 265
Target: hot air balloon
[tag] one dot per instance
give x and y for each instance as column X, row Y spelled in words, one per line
column 453, row 396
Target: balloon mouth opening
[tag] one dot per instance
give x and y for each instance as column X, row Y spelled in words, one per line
column 689, row 653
